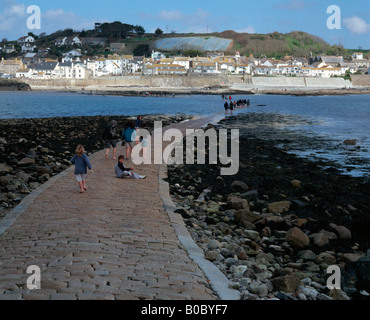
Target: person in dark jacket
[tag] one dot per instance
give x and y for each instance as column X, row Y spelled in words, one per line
column 226, row 106
column 138, row 122
column 129, row 136
column 110, row 136
column 81, row 162
column 231, row 107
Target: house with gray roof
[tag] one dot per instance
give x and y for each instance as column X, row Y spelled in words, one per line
column 45, row 70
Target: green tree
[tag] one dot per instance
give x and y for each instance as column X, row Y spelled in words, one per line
column 116, row 30
column 139, row 30
column 33, row 35
column 83, row 34
column 158, row 32
column 67, row 32
column 142, row 50
column 192, row 53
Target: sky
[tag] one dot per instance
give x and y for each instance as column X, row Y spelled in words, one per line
column 198, row 16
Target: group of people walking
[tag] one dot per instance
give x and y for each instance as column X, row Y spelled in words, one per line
column 111, row 136
column 232, row 105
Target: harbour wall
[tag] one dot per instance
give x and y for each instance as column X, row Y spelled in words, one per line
column 235, row 82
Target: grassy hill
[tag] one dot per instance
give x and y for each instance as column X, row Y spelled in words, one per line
column 277, row 45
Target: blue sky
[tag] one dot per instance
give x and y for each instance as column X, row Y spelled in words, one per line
column 196, row 16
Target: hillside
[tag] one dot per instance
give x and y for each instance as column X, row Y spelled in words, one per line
column 137, row 41
column 297, row 43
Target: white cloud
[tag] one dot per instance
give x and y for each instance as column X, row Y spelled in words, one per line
column 13, row 20
column 248, row 29
column 13, row 16
column 356, row 25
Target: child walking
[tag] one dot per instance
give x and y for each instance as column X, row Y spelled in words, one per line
column 81, row 162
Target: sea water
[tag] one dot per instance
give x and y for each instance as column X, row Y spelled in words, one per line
column 335, row 118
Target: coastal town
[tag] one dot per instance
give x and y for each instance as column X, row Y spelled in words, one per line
column 185, row 164
column 35, row 62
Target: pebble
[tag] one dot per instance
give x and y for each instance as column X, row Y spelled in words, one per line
column 260, row 289
column 214, row 244
column 309, row 292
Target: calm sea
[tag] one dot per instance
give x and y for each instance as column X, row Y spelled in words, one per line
column 336, row 118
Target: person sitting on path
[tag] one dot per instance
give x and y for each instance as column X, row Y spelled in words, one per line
column 129, row 136
column 110, row 136
column 81, row 162
column 123, row 172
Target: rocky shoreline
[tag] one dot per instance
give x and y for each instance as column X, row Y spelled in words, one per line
column 34, row 150
column 276, row 227
column 12, row 85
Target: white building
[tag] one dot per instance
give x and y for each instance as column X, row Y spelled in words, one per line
column 240, row 69
column 323, row 72
column 182, row 61
column 358, row 56
column 28, row 48
column 24, row 73
column 26, row 39
column 72, row 53
column 158, row 55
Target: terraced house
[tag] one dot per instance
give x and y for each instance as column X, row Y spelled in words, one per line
column 11, row 66
column 165, row 69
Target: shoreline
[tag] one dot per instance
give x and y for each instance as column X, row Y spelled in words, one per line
column 276, row 226
column 252, row 90
column 251, row 252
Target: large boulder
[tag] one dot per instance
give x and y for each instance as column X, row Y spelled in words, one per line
column 212, row 207
column 5, row 168
column 297, row 238
column 246, row 218
column 26, row 162
column 288, row 283
column 237, row 203
column 341, row 231
column 239, row 186
column 325, row 258
column 306, row 255
column 4, row 181
column 296, row 184
column 279, row 207
column 42, row 170
column 319, row 239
